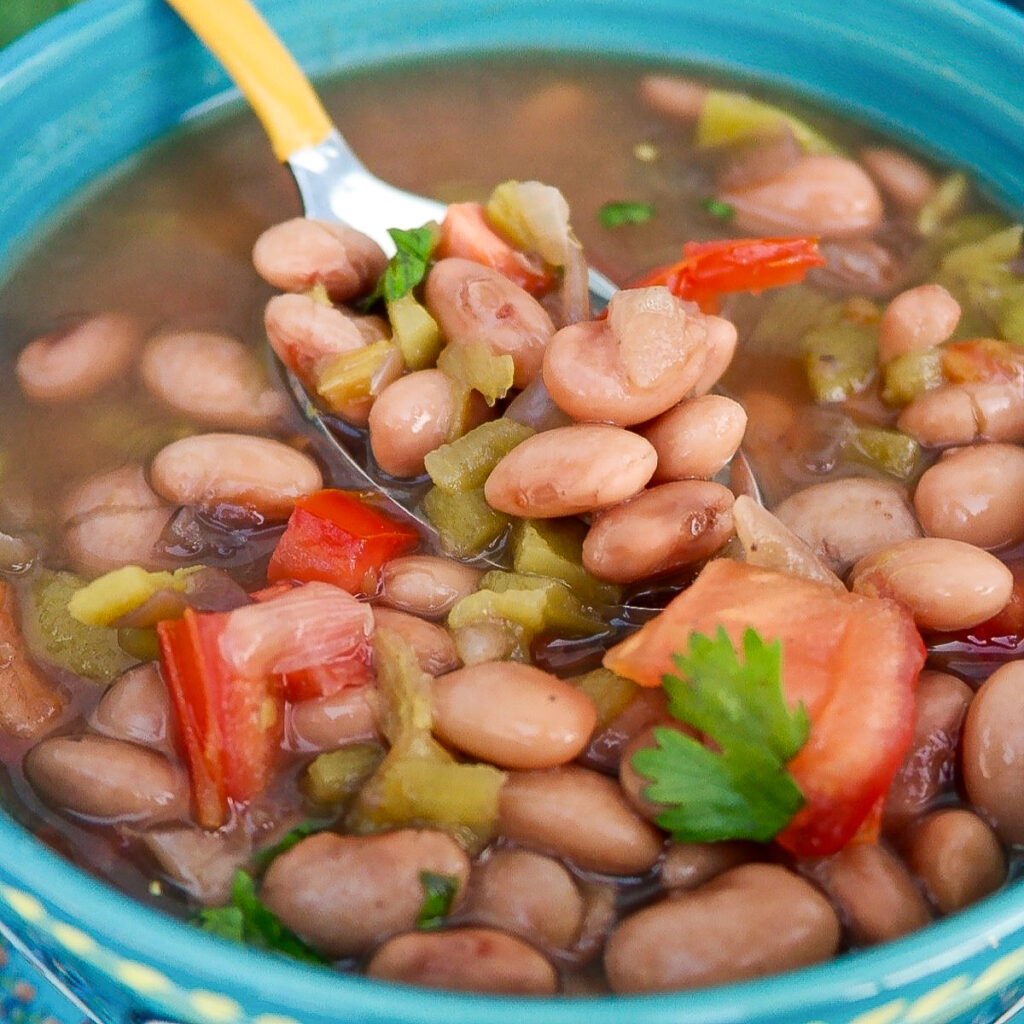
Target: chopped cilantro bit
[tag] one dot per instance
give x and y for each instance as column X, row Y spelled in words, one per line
column 718, row 208
column 438, row 893
column 266, row 854
column 614, row 215
column 249, row 921
column 408, row 266
column 737, row 788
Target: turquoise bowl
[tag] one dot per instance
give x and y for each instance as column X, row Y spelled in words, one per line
column 87, row 90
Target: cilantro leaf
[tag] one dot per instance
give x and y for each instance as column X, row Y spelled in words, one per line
column 735, row 786
column 615, row 214
column 439, row 892
column 224, row 922
column 408, row 267
column 718, row 208
column 262, row 858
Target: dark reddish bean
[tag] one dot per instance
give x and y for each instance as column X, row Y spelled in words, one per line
column 696, row 438
column 137, row 707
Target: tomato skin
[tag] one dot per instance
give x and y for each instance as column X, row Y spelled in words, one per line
column 852, row 661
column 335, row 537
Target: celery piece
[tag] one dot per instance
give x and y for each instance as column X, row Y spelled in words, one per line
column 337, row 775
column 944, row 203
column 554, row 547
column 563, row 611
column 351, row 376
column 787, row 315
column 525, row 608
column 610, row 692
column 891, row 451
column 466, row 523
column 465, row 464
column 404, row 690
column 120, row 591
column 730, row 118
column 911, row 374
column 139, row 643
column 979, row 274
column 840, row 359
column 54, row 636
column 415, row 332
column 476, row 367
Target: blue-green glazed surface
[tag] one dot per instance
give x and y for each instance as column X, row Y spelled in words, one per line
column 85, row 91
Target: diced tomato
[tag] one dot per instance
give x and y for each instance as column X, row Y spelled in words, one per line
column 982, row 359
column 329, row 678
column 230, row 726
column 466, row 232
column 709, row 270
column 853, row 661
column 336, row 537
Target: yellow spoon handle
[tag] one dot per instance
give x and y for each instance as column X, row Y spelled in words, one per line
column 274, row 85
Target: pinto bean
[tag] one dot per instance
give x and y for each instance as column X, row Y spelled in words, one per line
column 828, row 196
column 29, row 702
column 112, row 519
column 844, row 520
column 512, row 714
column 859, row 267
column 212, row 378
column 696, row 438
column 905, row 181
column 109, row 780
column 973, row 494
column 426, row 585
column 570, row 470
column 753, row 920
column 873, row 890
column 689, row 865
column 201, row 863
column 946, row 584
column 632, row 782
column 137, row 708
column 957, row 857
column 414, row 415
column 431, row 643
column 346, row 894
column 647, row 356
column 928, row 766
column 918, row 318
column 297, row 254
column 719, row 348
column 234, row 469
column 959, row 414
column 466, row 960
column 674, row 96
column 992, row 755
column 543, row 809
column 473, row 303
column 529, row 895
column 326, row 723
column 79, row 361
column 660, row 530
column 304, row 332
column 606, row 749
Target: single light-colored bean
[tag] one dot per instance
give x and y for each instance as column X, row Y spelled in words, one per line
column 918, row 318
column 974, row 495
column 827, row 196
column 957, row 857
column 647, row 356
column 108, row 780
column 234, row 469
column 297, row 254
column 473, row 303
column 753, row 920
column 719, row 348
column 465, row 960
column 959, row 414
column 426, row 585
column 326, row 723
column 992, row 751
column 346, row 894
column 674, row 96
column 212, row 378
column 929, row 764
column 432, row 644
column 414, row 415
column 113, row 519
column 660, row 530
column 543, row 810
column 527, row 894
column 78, row 361
column 571, row 470
column 860, row 267
column 844, row 520
column 696, row 438
column 689, row 865
column 305, row 333
column 905, row 181
column 512, row 714
column 946, row 584
column 874, row 892
column 137, row 708
column 201, row 862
